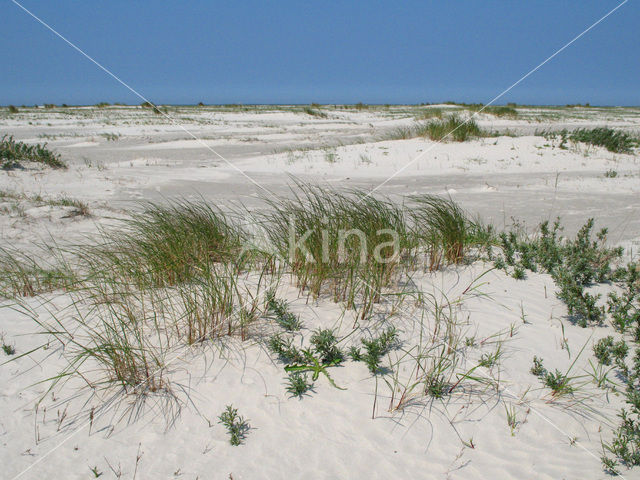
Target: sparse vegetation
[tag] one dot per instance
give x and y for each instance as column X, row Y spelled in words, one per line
column 440, row 130
column 613, row 140
column 13, row 153
column 574, row 264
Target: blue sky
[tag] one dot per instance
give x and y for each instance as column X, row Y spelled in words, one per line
column 328, row 52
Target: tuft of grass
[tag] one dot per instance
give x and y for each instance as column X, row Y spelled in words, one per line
column 13, row 109
column 612, row 140
column 444, row 229
column 501, row 111
column 314, row 112
column 22, row 276
column 439, row 130
column 167, row 245
column 452, row 128
column 349, row 245
column 13, row 152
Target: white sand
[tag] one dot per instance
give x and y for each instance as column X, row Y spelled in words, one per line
column 331, row 433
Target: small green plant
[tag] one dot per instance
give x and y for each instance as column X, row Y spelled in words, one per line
column 237, row 427
column 606, row 351
column 519, row 274
column 512, row 421
column 325, row 345
column 96, row 473
column 298, row 384
column 6, row 348
column 610, row 174
column 538, row 369
column 488, row 360
column 13, row 109
column 612, row 140
column 436, row 386
column 284, row 349
column 315, row 366
column 609, row 465
column 375, row 349
column 558, row 382
column 280, row 311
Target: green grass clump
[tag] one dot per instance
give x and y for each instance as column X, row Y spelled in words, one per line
column 237, row 427
column 13, row 152
column 22, row 276
column 439, row 129
column 348, row 245
column 167, row 245
column 501, row 111
column 444, row 229
column 13, row 109
column 452, row 128
column 612, row 140
column 314, row 112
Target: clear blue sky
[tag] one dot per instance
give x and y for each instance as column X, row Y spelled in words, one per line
column 285, row 51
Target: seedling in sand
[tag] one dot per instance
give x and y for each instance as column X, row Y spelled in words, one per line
column 324, row 343
column 511, row 418
column 538, row 369
column 558, row 383
column 375, row 349
column 280, row 311
column 96, row 473
column 285, row 349
column 6, row 348
column 237, row 427
column 437, row 387
column 298, row 384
